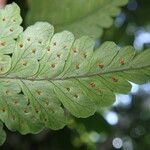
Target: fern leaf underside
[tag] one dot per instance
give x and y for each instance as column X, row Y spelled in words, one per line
column 43, row 74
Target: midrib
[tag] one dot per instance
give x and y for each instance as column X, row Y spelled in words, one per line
column 77, row 77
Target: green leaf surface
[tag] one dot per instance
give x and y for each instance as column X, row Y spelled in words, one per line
column 10, row 28
column 50, row 74
column 2, row 134
column 82, row 17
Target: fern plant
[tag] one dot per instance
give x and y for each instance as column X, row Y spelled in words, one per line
column 46, row 76
column 70, row 15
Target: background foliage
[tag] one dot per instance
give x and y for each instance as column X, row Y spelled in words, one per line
column 97, row 132
column 70, row 15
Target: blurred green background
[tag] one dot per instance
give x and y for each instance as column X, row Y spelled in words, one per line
column 125, row 125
